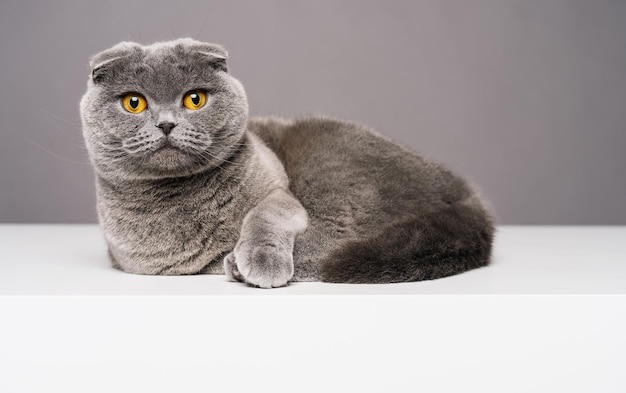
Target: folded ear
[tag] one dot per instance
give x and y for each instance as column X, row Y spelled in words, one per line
column 102, row 62
column 218, row 62
column 213, row 54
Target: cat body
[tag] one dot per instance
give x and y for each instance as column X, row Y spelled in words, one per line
column 185, row 225
column 186, row 186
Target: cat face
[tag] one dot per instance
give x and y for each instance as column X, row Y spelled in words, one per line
column 164, row 110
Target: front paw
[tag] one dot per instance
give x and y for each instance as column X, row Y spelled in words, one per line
column 230, row 268
column 261, row 266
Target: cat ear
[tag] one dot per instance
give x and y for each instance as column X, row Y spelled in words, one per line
column 102, row 62
column 99, row 69
column 214, row 55
column 218, row 62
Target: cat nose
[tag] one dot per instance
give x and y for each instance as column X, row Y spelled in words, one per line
column 166, row 126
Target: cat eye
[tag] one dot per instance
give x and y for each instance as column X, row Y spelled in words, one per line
column 195, row 99
column 134, row 103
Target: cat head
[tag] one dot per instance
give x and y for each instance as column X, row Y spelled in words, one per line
column 165, row 110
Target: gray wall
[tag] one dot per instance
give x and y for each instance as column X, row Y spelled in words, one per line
column 526, row 98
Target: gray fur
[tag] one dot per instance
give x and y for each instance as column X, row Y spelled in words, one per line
column 266, row 201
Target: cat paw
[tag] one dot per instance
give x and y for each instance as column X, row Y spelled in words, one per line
column 230, row 268
column 262, row 266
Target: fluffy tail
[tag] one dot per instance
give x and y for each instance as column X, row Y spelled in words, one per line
column 442, row 243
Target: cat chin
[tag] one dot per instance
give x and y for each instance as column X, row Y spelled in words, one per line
column 170, row 160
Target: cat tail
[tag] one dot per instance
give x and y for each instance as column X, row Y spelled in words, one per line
column 438, row 244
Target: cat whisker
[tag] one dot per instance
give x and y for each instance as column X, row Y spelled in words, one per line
column 202, row 26
column 74, row 123
column 206, row 154
column 59, row 156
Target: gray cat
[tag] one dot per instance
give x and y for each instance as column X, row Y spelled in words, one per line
column 188, row 184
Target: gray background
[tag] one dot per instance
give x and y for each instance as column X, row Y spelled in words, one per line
column 525, row 98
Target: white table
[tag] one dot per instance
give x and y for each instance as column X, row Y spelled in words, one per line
column 548, row 315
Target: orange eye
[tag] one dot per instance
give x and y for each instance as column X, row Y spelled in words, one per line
column 194, row 100
column 134, row 103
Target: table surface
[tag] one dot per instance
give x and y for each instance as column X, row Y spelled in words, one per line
column 71, row 260
column 540, row 325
